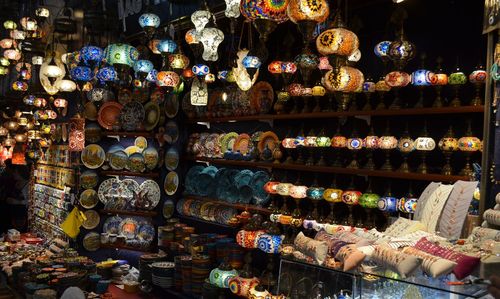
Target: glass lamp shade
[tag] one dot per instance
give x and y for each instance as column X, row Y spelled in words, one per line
column 283, row 189
column 316, row 11
column 121, row 54
column 42, row 12
column 20, row 85
column 369, row 200
column 12, row 54
column 4, row 61
column 22, row 121
column 407, row 205
column 339, row 141
column 369, row 86
column 421, row 78
column 307, row 61
column 28, row 24
column 167, row 79
column 439, row 79
column 251, row 62
column 355, row 56
column 7, row 43
column 425, row 144
column 178, row 61
column 295, row 89
column 143, row 66
column 388, row 204
column 397, row 79
column 106, row 74
column 478, row 76
column 270, row 187
column 222, row 75
column 406, row 145
column 3, row 131
column 200, row 19
column 188, row 73
column 66, row 85
column 288, row 67
column 232, row 8
column 381, row 49
column 275, row 67
column 333, row 195
column 9, row 25
column 3, row 71
column 318, row 91
column 288, row 143
column 39, row 102
column 371, row 142
column 149, row 20
column 298, row 192
column 401, row 51
column 324, row 64
column 60, row 103
column 11, row 125
column 211, row 38
column 315, row 193
column 166, row 46
column 323, row 141
column 209, row 78
column 9, row 142
column 448, row 144
column 18, row 34
column 82, row 73
column 151, row 77
column 469, row 144
column 200, row 70
column 457, row 78
column 381, row 86
column 354, row 143
column 274, row 10
column 348, row 79
column 153, row 46
column 91, row 54
column 351, row 197
column 21, row 138
column 387, row 142
column 191, row 37
column 337, row 41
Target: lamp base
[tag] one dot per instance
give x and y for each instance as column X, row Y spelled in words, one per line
column 405, row 167
column 422, row 168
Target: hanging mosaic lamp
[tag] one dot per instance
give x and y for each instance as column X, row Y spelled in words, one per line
column 28, row 24
column 166, row 46
column 91, row 55
column 178, row 62
column 381, row 49
column 349, row 79
column 232, row 8
column 149, row 22
column 107, row 74
column 153, row 46
column 122, row 57
column 7, row 43
column 200, row 19
column 401, row 51
column 42, row 13
column 307, row 14
column 252, row 64
column 9, row 25
column 167, row 79
column 82, row 74
column 211, row 38
column 337, row 41
column 142, row 68
column 12, row 55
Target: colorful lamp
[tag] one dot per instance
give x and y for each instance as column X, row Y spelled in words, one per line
column 232, row 8
column 12, row 54
column 142, row 68
column 468, row 145
column 264, row 14
column 457, row 79
column 107, row 74
column 397, row 80
column 315, row 194
column 211, row 38
column 42, row 13
column 438, row 80
column 337, row 41
column 306, row 63
column 178, row 62
column 382, row 88
column 448, row 145
column 339, row 142
column 91, row 55
column 9, row 25
column 7, row 43
column 424, row 144
column 370, row 143
column 355, row 144
column 369, row 200
column 478, row 79
column 406, row 145
column 167, row 79
column 401, row 51
column 388, row 203
column 166, row 47
column 153, row 46
column 368, row 90
column 200, row 19
column 382, row 49
column 307, row 14
column 122, row 57
column 332, row 195
column 351, row 198
column 387, row 143
column 149, row 22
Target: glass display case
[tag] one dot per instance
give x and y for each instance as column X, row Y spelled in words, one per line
column 306, row 281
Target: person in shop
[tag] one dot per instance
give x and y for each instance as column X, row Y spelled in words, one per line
column 17, row 199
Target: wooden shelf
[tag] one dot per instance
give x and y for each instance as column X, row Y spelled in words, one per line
column 130, row 213
column 129, row 173
column 196, row 219
column 238, row 206
column 128, row 134
column 338, row 170
column 315, row 115
column 110, row 246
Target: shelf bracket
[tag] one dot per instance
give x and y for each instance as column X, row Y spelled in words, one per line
column 366, row 118
column 204, row 123
column 270, row 122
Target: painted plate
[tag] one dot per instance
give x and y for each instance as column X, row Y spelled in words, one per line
column 92, row 221
column 93, row 156
column 242, row 144
column 88, row 199
column 168, row 208
column 146, row 232
column 190, row 183
column 89, row 179
column 112, row 149
column 150, row 158
column 172, row 159
column 90, row 111
column 133, row 150
column 152, row 115
column 228, row 141
column 171, row 132
column 118, row 160
column 136, row 163
column 267, row 138
column 172, row 105
column 149, row 195
column 259, row 179
column 91, row 241
column 171, row 183
column 105, row 191
column 157, row 96
column 261, row 97
column 92, row 133
column 109, row 115
column 124, row 96
column 141, row 142
column 129, row 227
column 112, row 225
column 132, row 116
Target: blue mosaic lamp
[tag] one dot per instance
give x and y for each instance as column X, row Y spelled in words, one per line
column 149, row 22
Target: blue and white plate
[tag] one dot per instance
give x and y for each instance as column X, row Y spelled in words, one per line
column 112, row 225
column 260, row 197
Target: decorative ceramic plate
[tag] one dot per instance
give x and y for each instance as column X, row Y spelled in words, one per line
column 89, row 179
column 134, row 188
column 90, row 111
column 105, row 188
column 118, row 160
column 157, row 96
column 88, row 199
column 261, row 97
column 242, row 143
column 150, row 158
column 152, row 115
column 172, row 105
column 92, row 133
column 132, row 116
column 259, row 179
column 171, row 183
column 243, row 178
column 128, row 228
column 109, row 115
column 112, row 225
column 192, row 174
column 146, row 232
column 171, row 132
column 98, row 94
column 141, row 142
column 136, row 163
column 93, row 156
column 149, row 195
column 228, row 141
column 124, row 96
column 91, row 241
column 112, row 149
column 133, row 150
column 171, row 159
column 168, row 208
column 92, row 221
column 267, row 138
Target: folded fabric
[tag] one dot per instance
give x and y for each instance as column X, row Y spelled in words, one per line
column 480, row 234
column 396, row 228
column 350, row 256
column 400, row 244
column 465, row 263
column 402, row 263
column 432, row 265
column 350, row 237
column 317, row 249
column 492, row 216
column 367, row 250
column 333, row 243
column 422, row 200
column 303, row 257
